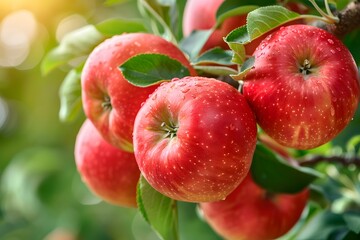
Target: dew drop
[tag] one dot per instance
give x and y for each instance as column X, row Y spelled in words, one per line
column 185, row 90
column 339, row 49
column 332, row 51
column 330, row 41
column 154, row 96
column 332, row 111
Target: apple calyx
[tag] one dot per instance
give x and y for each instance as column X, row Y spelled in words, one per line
column 305, row 69
column 170, row 129
column 106, row 104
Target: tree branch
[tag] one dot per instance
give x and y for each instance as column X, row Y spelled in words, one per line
column 346, row 161
column 349, row 20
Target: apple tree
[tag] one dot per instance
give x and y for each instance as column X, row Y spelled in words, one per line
column 242, row 116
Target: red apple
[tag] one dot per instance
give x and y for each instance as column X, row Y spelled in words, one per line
column 303, row 87
column 297, row 7
column 201, row 15
column 252, row 213
column 110, row 173
column 109, row 100
column 194, row 139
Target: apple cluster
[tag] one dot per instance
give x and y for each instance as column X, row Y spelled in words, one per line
column 193, row 138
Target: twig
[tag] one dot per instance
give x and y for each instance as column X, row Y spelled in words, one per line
column 349, row 20
column 346, row 161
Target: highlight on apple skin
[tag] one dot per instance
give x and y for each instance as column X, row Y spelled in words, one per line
column 303, row 93
column 194, row 139
column 109, row 100
column 110, row 173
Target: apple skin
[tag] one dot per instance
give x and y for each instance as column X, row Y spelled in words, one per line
column 109, row 100
column 302, row 109
column 110, row 173
column 201, row 15
column 194, row 139
column 251, row 213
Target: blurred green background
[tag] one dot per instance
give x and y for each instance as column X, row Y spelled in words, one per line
column 42, row 196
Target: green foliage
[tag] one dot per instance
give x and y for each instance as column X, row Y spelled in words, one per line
column 194, row 42
column 264, row 19
column 75, row 45
column 149, row 69
column 158, row 210
column 332, row 225
column 269, row 171
column 70, row 96
column 215, row 56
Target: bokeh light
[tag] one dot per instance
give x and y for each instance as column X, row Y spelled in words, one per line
column 18, row 30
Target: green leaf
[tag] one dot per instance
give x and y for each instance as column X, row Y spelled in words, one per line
column 238, row 11
column 245, row 68
column 215, row 55
column 193, row 44
column 157, row 17
column 74, row 45
column 176, row 21
column 352, row 220
column 264, row 19
column 238, row 35
column 231, row 8
column 276, row 175
column 215, row 70
column 158, row 210
column 148, row 69
column 236, row 40
column 70, row 96
column 116, row 26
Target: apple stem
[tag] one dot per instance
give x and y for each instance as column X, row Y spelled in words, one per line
column 327, row 6
column 107, row 103
column 327, row 17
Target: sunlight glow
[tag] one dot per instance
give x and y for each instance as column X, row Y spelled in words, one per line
column 17, row 32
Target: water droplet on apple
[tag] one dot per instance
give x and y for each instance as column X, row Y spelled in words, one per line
column 332, row 51
column 339, row 49
column 185, row 90
column 330, row 41
column 154, row 96
column 332, row 111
